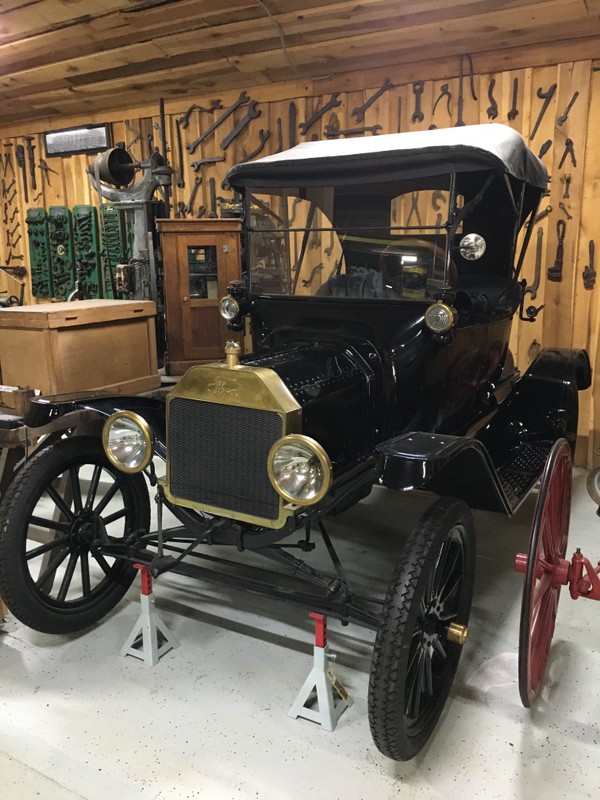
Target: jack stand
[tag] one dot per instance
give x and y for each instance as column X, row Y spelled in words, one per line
column 150, row 638
column 321, row 687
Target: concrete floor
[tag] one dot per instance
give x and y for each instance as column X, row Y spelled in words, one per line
column 210, row 720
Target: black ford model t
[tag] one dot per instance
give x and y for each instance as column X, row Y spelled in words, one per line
column 381, row 277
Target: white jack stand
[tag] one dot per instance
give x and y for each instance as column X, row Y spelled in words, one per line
column 321, row 688
column 149, row 639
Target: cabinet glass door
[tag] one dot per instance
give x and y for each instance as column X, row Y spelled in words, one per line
column 203, row 275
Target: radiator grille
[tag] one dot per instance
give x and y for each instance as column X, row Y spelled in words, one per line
column 218, row 456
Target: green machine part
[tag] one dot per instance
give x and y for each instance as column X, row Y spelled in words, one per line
column 115, row 243
column 39, row 253
column 86, row 246
column 62, row 259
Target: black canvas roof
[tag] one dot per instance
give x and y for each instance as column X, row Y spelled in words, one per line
column 395, row 156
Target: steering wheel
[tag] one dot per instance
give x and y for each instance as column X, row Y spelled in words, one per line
column 391, row 266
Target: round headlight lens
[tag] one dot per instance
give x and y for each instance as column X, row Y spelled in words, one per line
column 472, row 246
column 440, row 318
column 127, row 441
column 229, row 308
column 299, row 469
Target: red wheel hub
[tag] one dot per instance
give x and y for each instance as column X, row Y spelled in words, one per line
column 545, row 569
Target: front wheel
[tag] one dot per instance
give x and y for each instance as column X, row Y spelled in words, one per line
column 65, row 500
column 419, row 639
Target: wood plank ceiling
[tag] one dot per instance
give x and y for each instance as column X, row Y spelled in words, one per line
column 63, row 57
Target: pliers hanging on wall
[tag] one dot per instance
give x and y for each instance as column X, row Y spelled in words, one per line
column 414, row 209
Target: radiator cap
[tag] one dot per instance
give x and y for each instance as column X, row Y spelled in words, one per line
column 232, row 353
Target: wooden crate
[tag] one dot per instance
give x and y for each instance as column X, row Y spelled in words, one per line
column 80, row 346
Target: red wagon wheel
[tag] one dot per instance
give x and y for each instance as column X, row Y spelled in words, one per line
column 545, row 570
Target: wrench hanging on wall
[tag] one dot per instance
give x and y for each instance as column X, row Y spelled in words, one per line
column 359, row 113
column 241, row 101
column 546, row 96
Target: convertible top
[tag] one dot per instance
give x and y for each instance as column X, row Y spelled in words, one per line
column 395, row 156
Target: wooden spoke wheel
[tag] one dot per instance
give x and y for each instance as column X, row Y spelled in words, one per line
column 545, row 570
column 64, row 502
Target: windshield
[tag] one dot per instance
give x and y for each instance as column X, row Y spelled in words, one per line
column 381, row 241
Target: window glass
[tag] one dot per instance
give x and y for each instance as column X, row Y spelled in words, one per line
column 369, row 242
column 202, row 272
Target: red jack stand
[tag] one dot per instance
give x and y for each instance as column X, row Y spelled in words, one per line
column 150, row 638
column 321, row 687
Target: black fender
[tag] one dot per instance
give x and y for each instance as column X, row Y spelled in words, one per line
column 45, row 410
column 544, row 403
column 449, row 465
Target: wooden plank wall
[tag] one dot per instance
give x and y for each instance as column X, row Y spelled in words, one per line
column 571, row 315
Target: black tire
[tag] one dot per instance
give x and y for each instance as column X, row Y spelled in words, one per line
column 80, row 585
column 413, row 662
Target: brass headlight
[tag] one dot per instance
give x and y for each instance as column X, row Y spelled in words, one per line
column 440, row 317
column 299, row 469
column 128, row 441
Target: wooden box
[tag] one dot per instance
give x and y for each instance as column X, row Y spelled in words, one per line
column 80, row 346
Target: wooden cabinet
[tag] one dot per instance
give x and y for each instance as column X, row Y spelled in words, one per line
column 200, row 257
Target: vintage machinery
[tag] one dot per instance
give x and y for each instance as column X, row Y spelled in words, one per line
column 136, row 279
column 380, row 279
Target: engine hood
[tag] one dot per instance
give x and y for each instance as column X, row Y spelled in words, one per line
column 333, row 386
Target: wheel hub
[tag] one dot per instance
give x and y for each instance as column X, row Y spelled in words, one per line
column 84, row 530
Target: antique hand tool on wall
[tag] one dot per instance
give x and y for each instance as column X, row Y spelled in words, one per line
column 414, row 209
column 180, row 167
column 546, row 96
column 45, row 169
column 184, row 120
column 567, row 180
column 31, row 159
column 359, row 113
column 563, row 117
column 242, row 100
column 136, row 135
column 213, row 198
column 292, row 123
column 492, row 110
column 569, row 151
column 253, row 112
column 264, row 136
column 555, row 271
column 190, row 203
column 417, row 87
column 208, row 160
column 565, row 210
column 533, row 287
column 589, row 272
column 335, row 133
column 333, row 102
column 444, row 92
column 279, row 135
column 544, row 148
column 314, row 272
column 20, row 156
column 541, row 215
column 8, row 164
column 514, row 111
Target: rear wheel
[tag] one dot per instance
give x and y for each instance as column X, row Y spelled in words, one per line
column 545, row 571
column 53, row 574
column 417, row 646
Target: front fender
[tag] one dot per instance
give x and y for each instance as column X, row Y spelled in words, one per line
column 45, row 410
column 447, row 465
